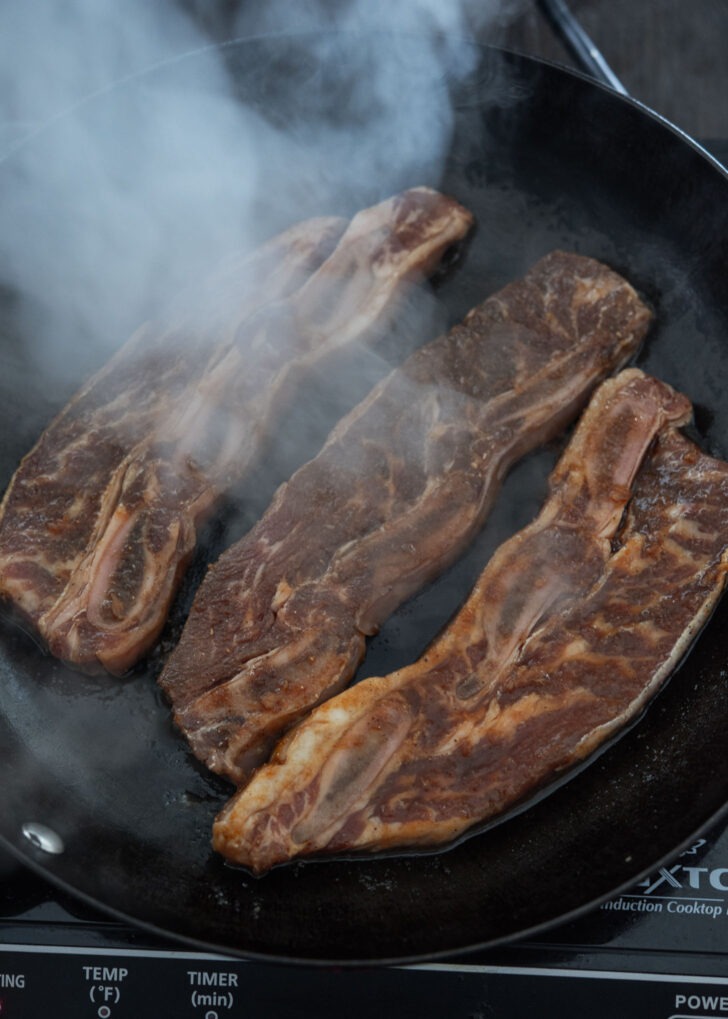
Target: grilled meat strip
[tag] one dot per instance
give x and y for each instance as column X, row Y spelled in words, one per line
column 571, row 627
column 60, row 500
column 101, row 518
column 401, row 486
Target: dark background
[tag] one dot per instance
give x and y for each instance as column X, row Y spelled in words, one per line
column 671, row 55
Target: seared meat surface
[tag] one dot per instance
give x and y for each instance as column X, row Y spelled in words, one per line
column 62, row 499
column 101, row 518
column 570, row 629
column 401, row 486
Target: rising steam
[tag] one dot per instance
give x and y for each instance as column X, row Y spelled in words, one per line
column 131, row 167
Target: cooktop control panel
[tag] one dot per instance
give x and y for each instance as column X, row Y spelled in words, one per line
column 38, row 983
column 659, row 949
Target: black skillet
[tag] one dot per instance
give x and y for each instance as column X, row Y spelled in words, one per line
column 544, row 158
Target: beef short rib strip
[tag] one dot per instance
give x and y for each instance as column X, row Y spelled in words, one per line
column 109, row 603
column 59, row 501
column 401, row 486
column 571, row 627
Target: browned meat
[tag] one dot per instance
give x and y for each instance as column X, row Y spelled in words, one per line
column 60, row 501
column 571, row 628
column 101, row 518
column 403, row 483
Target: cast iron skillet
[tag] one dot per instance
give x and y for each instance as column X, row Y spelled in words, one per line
column 553, row 160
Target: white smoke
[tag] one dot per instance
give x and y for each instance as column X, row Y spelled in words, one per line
column 112, row 201
column 131, row 166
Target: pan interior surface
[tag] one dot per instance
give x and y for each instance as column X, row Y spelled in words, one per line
column 545, row 159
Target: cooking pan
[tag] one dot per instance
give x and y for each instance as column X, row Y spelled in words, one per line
column 545, row 158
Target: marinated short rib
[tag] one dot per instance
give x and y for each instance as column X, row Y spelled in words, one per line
column 101, row 518
column 571, row 627
column 401, row 486
column 59, row 502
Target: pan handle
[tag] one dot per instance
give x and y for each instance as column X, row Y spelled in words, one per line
column 579, row 43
